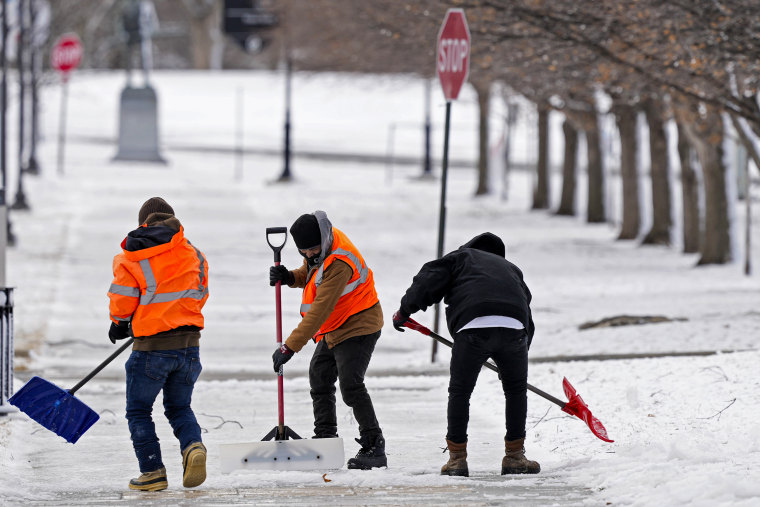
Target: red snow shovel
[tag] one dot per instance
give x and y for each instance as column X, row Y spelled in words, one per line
column 57, row 409
column 575, row 405
column 282, row 453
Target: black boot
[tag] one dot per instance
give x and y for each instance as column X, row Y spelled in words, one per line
column 371, row 455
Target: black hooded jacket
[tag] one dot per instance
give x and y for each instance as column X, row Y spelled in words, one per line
column 474, row 281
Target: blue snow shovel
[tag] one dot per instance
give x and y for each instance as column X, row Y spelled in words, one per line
column 57, row 409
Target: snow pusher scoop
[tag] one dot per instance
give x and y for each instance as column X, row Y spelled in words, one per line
column 282, row 448
column 57, row 409
column 574, row 406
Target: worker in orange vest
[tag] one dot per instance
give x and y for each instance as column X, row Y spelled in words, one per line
column 342, row 314
column 159, row 288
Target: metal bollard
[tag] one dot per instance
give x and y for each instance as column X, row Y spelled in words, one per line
column 6, row 349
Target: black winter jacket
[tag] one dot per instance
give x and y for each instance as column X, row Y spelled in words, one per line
column 473, row 283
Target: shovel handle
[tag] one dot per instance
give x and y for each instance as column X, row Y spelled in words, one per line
column 413, row 324
column 102, row 365
column 277, row 248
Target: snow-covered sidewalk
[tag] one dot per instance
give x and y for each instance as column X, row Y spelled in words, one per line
column 684, row 427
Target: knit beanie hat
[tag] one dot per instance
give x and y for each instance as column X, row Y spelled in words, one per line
column 153, row 205
column 305, row 232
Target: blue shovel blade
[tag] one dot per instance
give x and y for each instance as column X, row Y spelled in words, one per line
column 54, row 408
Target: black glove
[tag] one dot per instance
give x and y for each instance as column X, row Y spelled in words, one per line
column 118, row 331
column 281, row 356
column 280, row 274
column 398, row 320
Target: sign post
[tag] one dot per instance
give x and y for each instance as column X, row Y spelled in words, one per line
column 452, row 67
column 65, row 57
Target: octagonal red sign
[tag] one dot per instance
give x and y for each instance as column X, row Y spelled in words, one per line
column 453, row 61
column 67, row 53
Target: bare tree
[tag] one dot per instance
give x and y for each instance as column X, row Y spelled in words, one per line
column 689, row 193
column 206, row 40
column 659, row 233
column 541, row 189
column 626, row 122
column 569, row 170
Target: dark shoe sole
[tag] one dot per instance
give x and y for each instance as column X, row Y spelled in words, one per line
column 457, row 473
column 352, row 465
column 521, row 470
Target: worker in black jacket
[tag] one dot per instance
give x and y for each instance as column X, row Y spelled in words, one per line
column 488, row 314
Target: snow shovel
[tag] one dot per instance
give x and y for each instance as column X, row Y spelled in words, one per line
column 57, row 409
column 574, row 406
column 287, row 451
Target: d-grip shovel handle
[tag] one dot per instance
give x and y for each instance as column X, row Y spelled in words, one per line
column 277, row 248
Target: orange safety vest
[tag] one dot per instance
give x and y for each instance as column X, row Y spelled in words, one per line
column 159, row 288
column 359, row 293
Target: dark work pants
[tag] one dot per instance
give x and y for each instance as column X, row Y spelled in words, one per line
column 509, row 350
column 346, row 362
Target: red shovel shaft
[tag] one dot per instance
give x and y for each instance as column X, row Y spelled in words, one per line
column 280, row 389
column 576, row 406
column 276, row 248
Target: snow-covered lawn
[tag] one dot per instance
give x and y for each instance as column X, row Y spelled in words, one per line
column 685, row 428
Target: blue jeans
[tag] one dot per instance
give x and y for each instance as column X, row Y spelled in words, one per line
column 174, row 371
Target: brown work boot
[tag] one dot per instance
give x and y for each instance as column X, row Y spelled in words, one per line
column 194, row 465
column 457, row 464
column 150, row 481
column 515, row 462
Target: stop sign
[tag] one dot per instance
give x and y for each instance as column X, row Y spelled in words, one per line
column 453, row 62
column 66, row 53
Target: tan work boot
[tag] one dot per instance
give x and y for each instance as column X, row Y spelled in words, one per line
column 150, row 481
column 194, row 465
column 514, row 461
column 457, row 464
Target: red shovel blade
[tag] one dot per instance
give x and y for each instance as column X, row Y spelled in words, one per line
column 577, row 407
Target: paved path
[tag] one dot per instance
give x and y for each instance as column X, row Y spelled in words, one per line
column 474, row 491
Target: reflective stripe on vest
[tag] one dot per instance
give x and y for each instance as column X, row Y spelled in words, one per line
column 351, row 286
column 124, row 290
column 151, row 296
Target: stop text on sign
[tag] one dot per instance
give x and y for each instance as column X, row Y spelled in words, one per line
column 66, row 53
column 452, row 55
column 66, row 56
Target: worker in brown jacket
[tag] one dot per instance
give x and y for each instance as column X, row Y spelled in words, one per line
column 342, row 314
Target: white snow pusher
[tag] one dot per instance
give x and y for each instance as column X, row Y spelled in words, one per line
column 282, row 448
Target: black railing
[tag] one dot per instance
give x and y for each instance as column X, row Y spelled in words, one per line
column 6, row 349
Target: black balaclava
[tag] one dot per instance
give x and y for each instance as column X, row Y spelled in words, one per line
column 306, row 235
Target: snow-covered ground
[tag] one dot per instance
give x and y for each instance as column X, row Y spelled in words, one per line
column 685, row 427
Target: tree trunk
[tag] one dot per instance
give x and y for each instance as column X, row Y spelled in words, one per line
column 595, row 212
column 659, row 234
column 207, row 42
column 629, row 174
column 541, row 190
column 567, row 200
column 690, row 193
column 484, row 97
column 716, row 245
column 703, row 126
